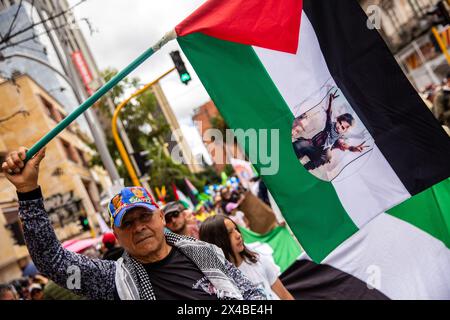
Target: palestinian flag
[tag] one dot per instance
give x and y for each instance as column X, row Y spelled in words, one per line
column 192, row 191
column 353, row 139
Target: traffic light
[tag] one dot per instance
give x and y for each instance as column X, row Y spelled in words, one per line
column 84, row 223
column 440, row 14
column 181, row 68
column 143, row 161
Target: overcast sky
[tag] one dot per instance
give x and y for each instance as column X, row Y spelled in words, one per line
column 126, row 28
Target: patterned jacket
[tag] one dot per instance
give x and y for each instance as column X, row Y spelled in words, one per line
column 126, row 278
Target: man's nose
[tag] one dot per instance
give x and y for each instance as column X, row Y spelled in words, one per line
column 139, row 227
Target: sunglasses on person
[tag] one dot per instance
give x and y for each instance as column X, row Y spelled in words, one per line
column 172, row 215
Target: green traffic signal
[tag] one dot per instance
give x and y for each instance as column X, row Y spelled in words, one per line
column 185, row 77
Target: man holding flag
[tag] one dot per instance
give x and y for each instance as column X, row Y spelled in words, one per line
column 154, row 266
column 264, row 64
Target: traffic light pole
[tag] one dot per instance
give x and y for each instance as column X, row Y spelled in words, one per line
column 441, row 44
column 123, row 153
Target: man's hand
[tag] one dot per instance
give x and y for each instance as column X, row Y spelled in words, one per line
column 23, row 176
column 358, row 148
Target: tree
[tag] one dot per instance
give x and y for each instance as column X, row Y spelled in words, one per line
column 219, row 123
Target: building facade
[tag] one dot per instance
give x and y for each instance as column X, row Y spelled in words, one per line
column 406, row 27
column 53, row 51
column 208, row 117
column 175, row 141
column 27, row 112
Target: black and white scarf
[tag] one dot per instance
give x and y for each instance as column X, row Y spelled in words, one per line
column 208, row 258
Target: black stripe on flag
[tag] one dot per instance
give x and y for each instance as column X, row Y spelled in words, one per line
column 361, row 64
column 306, row 280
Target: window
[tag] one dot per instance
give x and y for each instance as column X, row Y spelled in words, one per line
column 13, row 225
column 51, row 111
column 2, row 159
column 83, row 159
column 91, row 190
column 61, row 115
column 70, row 151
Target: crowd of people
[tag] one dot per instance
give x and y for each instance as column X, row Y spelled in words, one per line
column 25, row 288
column 170, row 251
column 437, row 98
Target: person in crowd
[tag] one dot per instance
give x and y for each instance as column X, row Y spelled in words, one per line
column 441, row 105
column 217, row 204
column 259, row 189
column 7, row 292
column 180, row 220
column 201, row 213
column 54, row 292
column 228, row 195
column 113, row 251
column 28, row 268
column 21, row 288
column 155, row 264
column 236, row 215
column 36, row 292
column 224, row 233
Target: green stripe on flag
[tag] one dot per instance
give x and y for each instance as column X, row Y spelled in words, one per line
column 247, row 98
column 285, row 249
column 429, row 211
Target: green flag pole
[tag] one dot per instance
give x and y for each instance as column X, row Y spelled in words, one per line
column 97, row 95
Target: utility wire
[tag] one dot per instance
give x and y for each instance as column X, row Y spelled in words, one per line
column 9, row 37
column 11, row 26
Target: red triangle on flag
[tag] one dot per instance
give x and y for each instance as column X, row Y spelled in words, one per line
column 271, row 24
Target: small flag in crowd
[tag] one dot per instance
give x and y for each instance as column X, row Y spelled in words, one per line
column 161, row 193
column 175, row 192
column 283, row 247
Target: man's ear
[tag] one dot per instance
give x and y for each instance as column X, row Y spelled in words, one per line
column 116, row 235
column 162, row 216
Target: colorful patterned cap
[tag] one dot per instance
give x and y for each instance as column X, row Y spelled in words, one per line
column 127, row 199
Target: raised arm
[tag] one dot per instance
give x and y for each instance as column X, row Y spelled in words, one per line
column 342, row 145
column 329, row 110
column 88, row 277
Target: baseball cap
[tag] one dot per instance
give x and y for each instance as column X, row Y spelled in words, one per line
column 109, row 237
column 127, row 199
column 35, row 286
column 173, row 207
column 231, row 206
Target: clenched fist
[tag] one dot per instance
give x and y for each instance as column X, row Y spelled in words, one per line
column 24, row 176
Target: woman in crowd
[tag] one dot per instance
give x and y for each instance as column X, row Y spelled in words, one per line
column 260, row 269
column 236, row 215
